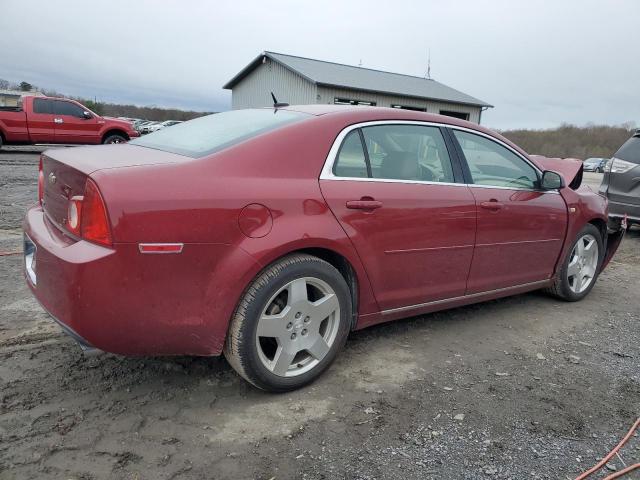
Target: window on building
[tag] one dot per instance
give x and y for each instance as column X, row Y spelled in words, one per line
column 449, row 113
column 492, row 164
column 406, row 107
column 349, row 101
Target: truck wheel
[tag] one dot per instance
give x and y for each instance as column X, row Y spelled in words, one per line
column 115, row 138
column 580, row 269
column 290, row 324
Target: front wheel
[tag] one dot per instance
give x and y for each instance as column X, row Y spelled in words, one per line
column 290, row 324
column 114, row 139
column 581, row 267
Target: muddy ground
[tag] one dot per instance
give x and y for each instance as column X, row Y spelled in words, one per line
column 524, row 387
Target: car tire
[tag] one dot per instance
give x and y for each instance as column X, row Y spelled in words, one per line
column 115, row 138
column 570, row 284
column 298, row 302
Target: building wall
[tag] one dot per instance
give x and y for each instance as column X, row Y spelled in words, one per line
column 327, row 95
column 255, row 89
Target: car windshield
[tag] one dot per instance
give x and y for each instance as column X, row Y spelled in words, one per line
column 206, row 135
column 592, row 161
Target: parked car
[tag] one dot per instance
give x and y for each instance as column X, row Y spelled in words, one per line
column 147, row 127
column 594, row 164
column 269, row 234
column 159, row 126
column 140, row 123
column 59, row 120
column 621, row 181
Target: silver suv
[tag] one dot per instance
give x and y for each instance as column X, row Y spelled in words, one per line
column 621, row 182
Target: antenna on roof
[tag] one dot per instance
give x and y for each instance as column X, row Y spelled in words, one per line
column 360, row 64
column 428, row 74
column 276, row 104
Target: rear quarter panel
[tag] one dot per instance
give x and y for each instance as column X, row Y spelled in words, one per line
column 198, row 202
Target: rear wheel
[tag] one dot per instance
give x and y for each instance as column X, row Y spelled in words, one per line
column 581, row 267
column 290, row 324
column 115, row 138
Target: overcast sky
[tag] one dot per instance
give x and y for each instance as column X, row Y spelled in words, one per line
column 540, row 63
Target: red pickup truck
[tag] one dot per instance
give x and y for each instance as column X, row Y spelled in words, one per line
column 59, row 120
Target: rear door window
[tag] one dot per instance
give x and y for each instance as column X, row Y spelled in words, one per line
column 41, row 105
column 408, row 152
column 351, row 160
column 630, row 150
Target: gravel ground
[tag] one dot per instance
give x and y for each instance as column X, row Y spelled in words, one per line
column 524, row 387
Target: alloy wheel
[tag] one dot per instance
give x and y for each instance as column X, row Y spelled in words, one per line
column 583, row 263
column 298, row 327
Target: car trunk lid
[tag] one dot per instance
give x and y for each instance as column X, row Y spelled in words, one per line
column 65, row 171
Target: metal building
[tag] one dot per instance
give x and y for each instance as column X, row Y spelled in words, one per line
column 299, row 80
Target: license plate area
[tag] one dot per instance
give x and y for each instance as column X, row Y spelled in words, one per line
column 30, row 259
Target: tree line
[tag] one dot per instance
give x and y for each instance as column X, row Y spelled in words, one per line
column 573, row 141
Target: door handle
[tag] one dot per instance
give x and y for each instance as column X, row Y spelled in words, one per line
column 58, row 120
column 364, row 204
column 492, row 205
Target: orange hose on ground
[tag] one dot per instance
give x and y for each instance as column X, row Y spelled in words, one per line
column 604, row 461
column 622, row 472
column 5, row 254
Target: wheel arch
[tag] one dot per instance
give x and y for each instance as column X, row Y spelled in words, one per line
column 601, row 225
column 114, row 131
column 343, row 265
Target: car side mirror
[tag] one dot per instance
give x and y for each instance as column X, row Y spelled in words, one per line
column 551, row 180
column 87, row 115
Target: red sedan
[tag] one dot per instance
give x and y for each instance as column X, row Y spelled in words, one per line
column 269, row 234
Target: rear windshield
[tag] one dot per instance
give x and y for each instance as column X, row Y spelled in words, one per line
column 206, row 135
column 630, row 150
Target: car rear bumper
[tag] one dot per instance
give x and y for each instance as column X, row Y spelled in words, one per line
column 619, row 210
column 121, row 301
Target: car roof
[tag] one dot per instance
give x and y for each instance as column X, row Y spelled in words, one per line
column 363, row 113
column 359, row 114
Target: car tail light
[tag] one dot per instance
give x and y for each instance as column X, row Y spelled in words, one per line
column 94, row 223
column 74, row 214
column 620, row 166
column 40, row 182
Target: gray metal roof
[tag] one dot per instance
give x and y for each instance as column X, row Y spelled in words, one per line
column 358, row 78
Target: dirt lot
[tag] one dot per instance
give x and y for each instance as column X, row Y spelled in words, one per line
column 525, row 387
